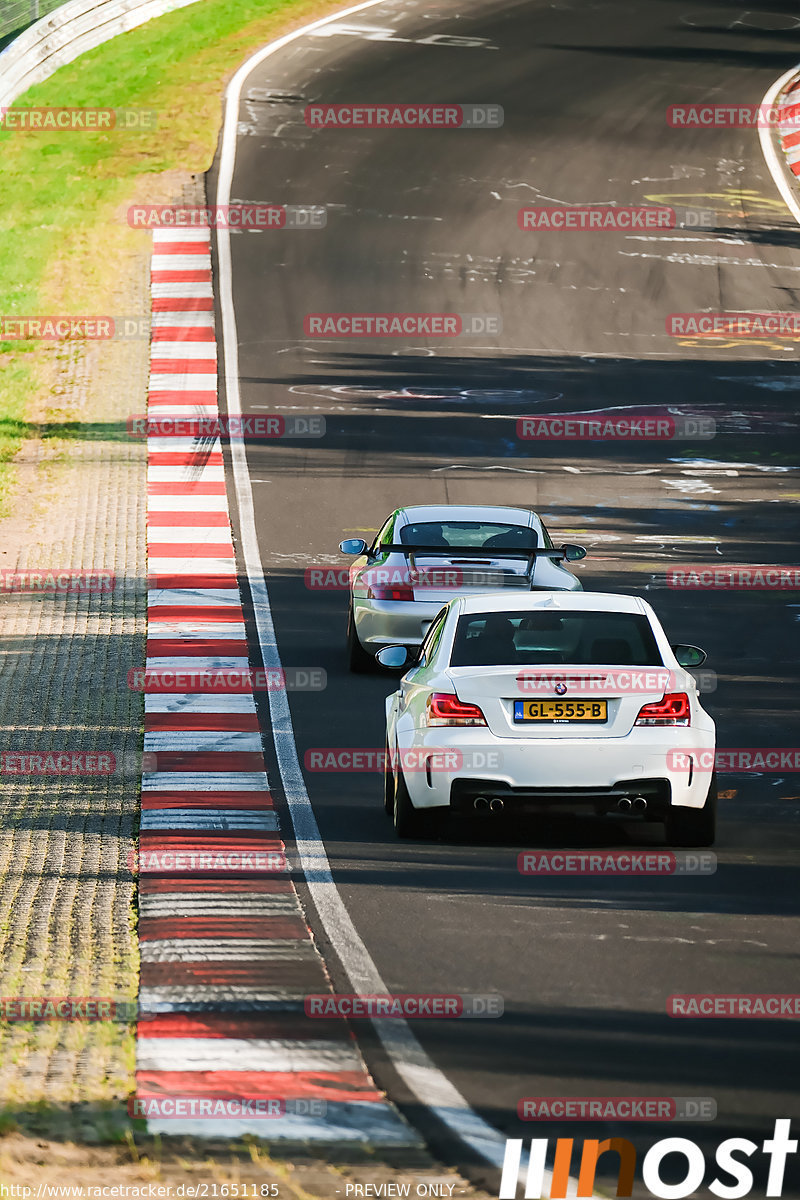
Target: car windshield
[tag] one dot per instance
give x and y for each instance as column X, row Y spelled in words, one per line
column 479, row 535
column 541, row 637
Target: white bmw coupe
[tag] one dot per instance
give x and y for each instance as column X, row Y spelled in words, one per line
column 549, row 702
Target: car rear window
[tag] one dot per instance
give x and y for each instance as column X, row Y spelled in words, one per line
column 473, row 534
column 547, row 637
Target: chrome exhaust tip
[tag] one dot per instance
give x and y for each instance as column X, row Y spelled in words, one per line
column 480, row 803
column 639, row 804
column 624, row 805
column 496, row 805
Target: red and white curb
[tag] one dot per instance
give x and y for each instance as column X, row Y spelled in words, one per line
column 789, row 124
column 227, row 957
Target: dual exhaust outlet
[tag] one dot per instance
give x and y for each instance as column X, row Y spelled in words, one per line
column 638, row 804
column 624, row 804
column 484, row 804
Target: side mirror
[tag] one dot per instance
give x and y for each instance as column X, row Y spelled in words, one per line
column 393, row 657
column 573, row 553
column 689, row 656
column 353, row 546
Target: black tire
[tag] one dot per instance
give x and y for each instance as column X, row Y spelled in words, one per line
column 388, row 786
column 358, row 660
column 408, row 823
column 694, row 826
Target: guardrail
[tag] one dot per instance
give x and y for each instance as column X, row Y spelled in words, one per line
column 18, row 14
column 67, row 32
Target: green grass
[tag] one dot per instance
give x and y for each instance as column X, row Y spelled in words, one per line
column 63, row 195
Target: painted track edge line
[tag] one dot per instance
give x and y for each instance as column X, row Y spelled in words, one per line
column 411, row 1062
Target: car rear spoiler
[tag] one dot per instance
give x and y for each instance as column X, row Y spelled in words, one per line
column 457, row 552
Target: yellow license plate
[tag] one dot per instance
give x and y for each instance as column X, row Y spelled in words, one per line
column 561, row 710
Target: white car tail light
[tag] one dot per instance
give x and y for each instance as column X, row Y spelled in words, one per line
column 672, row 710
column 443, row 708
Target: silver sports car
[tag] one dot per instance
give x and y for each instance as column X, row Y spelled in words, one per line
column 427, row 553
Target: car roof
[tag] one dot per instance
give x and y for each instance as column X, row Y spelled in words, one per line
column 566, row 601
column 469, row 512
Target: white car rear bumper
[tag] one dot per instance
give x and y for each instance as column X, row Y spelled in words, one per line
column 433, row 759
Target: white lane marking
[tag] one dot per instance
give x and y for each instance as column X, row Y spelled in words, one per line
column 209, row 818
column 214, row 534
column 188, row 502
column 199, row 534
column 243, row 1054
column 193, row 739
column 725, row 241
column 204, row 781
column 190, row 949
column 207, row 996
column 712, row 462
column 179, row 234
column 196, row 702
column 192, row 567
column 178, row 317
column 694, row 487
column 194, row 631
column 366, row 1122
column 181, row 381
column 384, row 33
column 174, row 290
column 770, row 152
column 189, row 663
column 169, row 408
column 707, row 260
column 194, row 597
column 427, row 1083
column 185, row 443
column 180, row 262
column 189, row 904
column 169, row 350
column 215, row 473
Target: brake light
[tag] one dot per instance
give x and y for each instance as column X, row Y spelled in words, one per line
column 672, row 710
column 403, row 592
column 446, row 709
